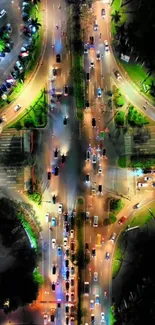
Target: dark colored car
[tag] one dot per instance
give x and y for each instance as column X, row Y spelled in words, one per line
column 56, row 153
column 72, row 247
column 67, row 285
column 65, row 120
column 53, row 286
column 87, row 178
column 49, row 175
column 86, row 246
column 56, row 171
column 54, row 269
column 54, row 199
column 67, row 309
column 54, row 72
column 87, row 76
column 91, row 39
column 67, row 263
column 87, row 103
column 93, row 122
column 66, row 217
column 65, row 90
column 63, row 159
column 93, row 252
column 58, row 59
column 67, row 227
column 103, row 152
column 67, row 274
column 52, row 317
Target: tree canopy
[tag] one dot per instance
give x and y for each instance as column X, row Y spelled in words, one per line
column 18, row 282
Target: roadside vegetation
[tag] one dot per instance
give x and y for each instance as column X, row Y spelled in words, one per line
column 137, row 161
column 129, row 28
column 32, row 29
column 20, row 279
column 35, row 116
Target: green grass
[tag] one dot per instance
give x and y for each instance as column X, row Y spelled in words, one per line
column 138, row 74
column 79, row 84
column 142, row 216
column 123, row 161
column 18, row 88
column 35, row 115
column 112, row 316
column 118, row 254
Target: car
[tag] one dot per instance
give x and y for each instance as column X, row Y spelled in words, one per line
column 24, row 54
column 99, row 92
column 87, row 215
column 95, row 25
column 95, row 222
column 47, row 216
column 87, row 76
column 56, row 153
column 102, row 317
column 17, row 107
column 65, row 240
column 98, row 55
column 67, row 285
column 72, row 247
column 67, row 320
column 103, row 13
column 117, row 75
column 105, row 294
column 52, row 316
column 91, row 40
column 93, row 122
column 122, row 220
column 58, row 98
column 93, row 189
column 86, row 246
column 153, row 184
column 97, row 300
column 56, row 171
column 67, row 228
column 65, row 120
column 106, row 45
column 146, row 178
column 87, row 178
column 103, row 152
column 94, row 158
column 65, row 90
column 67, row 252
column 72, row 270
column 113, row 237
column 49, row 175
column 54, row 199
column 107, row 255
column 60, row 208
column 54, row 72
column 59, row 251
column 45, row 319
column 87, row 103
column 72, row 282
column 91, row 304
column 66, row 309
column 63, row 159
column 100, row 189
column 88, row 155
column 65, row 217
column 85, row 49
column 92, row 64
column 137, row 206
column 95, row 276
column 72, row 297
column 19, row 66
column 72, row 233
column 92, row 319
column 67, row 297
column 2, row 54
column 67, row 273
column 53, row 222
column 53, row 286
column 2, row 13
column 99, row 169
column 58, row 58
column 53, row 242
column 93, row 252
column 142, row 184
column 54, row 269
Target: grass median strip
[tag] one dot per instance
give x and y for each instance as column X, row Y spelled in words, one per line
column 35, row 115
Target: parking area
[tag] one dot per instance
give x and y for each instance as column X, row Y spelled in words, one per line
column 11, row 177
column 146, row 181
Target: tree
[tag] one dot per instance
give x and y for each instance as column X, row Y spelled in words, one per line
column 151, row 89
column 116, row 204
column 112, row 218
column 116, row 16
column 35, row 23
column 2, row 45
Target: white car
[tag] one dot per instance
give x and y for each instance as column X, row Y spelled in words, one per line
column 65, row 241
column 60, row 208
column 113, row 237
column 95, row 25
column 106, row 45
column 45, row 319
column 100, row 169
column 2, row 13
column 19, row 66
column 95, row 276
column 102, row 317
column 146, row 178
column 72, row 233
column 17, row 107
column 85, row 49
column 53, row 242
column 92, row 64
column 87, row 215
column 142, row 184
column 94, row 158
column 47, row 217
column 98, row 56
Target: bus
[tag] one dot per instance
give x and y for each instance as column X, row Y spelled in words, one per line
column 99, row 239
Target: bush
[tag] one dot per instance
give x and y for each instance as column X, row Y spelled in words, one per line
column 112, row 218
column 122, row 161
column 80, row 201
column 120, row 118
column 116, row 205
column 36, row 197
column 118, row 98
column 79, row 115
column 135, row 118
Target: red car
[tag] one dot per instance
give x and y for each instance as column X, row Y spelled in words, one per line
column 122, row 220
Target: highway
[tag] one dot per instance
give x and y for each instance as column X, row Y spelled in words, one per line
column 71, row 179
